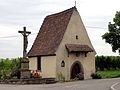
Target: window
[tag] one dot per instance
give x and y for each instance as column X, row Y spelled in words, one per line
column 76, row 36
column 38, row 63
column 62, row 64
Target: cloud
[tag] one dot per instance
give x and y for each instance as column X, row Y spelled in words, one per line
column 14, row 14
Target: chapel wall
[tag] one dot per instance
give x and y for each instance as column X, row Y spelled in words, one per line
column 48, row 66
column 33, row 63
column 75, row 27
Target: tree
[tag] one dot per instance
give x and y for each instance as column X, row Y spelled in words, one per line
column 113, row 35
column 108, row 63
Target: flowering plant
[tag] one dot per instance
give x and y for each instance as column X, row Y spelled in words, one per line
column 80, row 76
column 36, row 74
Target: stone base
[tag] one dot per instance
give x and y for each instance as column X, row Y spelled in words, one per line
column 29, row 81
column 25, row 63
column 25, row 74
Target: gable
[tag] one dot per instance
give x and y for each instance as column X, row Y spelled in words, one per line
column 75, row 34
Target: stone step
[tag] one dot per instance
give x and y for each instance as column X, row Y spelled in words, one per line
column 29, row 81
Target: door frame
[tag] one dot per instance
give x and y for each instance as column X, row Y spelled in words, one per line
column 73, row 66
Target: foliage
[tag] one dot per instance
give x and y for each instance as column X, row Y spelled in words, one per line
column 9, row 67
column 109, row 73
column 96, row 76
column 108, row 66
column 107, row 63
column 61, row 77
column 113, row 35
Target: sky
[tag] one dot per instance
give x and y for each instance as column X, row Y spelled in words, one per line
column 15, row 14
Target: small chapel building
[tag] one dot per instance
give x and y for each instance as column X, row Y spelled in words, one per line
column 62, row 47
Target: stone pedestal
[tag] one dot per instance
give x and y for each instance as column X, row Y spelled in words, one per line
column 25, row 72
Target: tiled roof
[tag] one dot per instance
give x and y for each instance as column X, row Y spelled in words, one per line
column 51, row 33
column 78, row 48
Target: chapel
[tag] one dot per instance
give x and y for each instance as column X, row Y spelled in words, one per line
column 62, row 48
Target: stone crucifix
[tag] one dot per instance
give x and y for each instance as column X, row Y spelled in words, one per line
column 25, row 72
column 25, row 41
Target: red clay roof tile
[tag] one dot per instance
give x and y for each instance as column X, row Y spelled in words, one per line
column 78, row 48
column 51, row 33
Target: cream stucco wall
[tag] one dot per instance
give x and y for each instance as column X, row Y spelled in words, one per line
column 33, row 63
column 48, row 66
column 75, row 27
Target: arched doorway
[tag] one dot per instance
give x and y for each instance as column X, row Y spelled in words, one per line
column 76, row 69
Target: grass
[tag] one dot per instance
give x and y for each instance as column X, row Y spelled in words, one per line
column 109, row 73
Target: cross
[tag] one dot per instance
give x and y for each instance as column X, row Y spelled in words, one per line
column 25, row 41
column 75, row 3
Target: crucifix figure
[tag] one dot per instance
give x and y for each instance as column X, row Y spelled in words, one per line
column 25, row 41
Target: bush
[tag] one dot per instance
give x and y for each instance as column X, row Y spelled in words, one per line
column 16, row 73
column 9, row 68
column 96, row 76
column 61, row 77
column 107, row 63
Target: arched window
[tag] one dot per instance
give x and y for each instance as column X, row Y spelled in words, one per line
column 76, row 36
column 62, row 64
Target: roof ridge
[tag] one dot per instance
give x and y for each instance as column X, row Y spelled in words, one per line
column 64, row 11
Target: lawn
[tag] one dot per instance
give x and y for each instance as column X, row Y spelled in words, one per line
column 109, row 73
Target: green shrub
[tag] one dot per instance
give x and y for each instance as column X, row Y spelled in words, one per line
column 107, row 62
column 8, row 67
column 96, row 76
column 61, row 77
